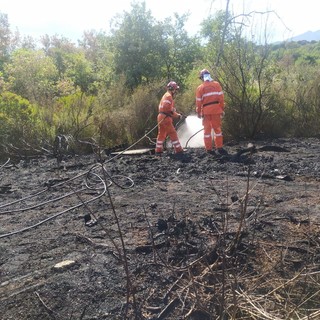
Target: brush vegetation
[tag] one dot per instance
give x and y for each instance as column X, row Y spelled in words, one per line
column 105, row 90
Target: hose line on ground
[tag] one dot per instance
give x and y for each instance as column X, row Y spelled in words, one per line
column 88, row 185
column 104, row 189
column 3, row 165
column 135, row 143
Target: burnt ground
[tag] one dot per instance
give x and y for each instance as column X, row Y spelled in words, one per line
column 163, row 238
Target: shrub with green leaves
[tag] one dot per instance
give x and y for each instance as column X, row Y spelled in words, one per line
column 18, row 121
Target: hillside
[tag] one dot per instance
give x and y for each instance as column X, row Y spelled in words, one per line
column 307, row 36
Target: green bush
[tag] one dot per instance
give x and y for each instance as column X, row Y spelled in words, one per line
column 18, row 122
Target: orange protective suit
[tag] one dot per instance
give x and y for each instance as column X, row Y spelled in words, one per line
column 210, row 107
column 167, row 113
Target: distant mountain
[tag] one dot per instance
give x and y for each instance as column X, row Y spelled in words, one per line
column 307, row 36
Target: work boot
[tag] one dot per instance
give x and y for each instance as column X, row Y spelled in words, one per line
column 221, row 152
column 181, row 156
column 211, row 152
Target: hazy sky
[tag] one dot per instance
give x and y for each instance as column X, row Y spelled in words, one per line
column 70, row 18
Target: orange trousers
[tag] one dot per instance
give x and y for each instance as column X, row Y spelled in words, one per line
column 212, row 122
column 166, row 128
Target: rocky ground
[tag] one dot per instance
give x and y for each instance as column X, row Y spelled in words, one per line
column 146, row 237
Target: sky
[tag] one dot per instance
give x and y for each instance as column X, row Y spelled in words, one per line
column 70, row 18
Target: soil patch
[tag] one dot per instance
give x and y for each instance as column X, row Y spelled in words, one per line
column 171, row 237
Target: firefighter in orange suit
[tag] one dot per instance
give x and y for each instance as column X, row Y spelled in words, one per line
column 210, row 107
column 167, row 113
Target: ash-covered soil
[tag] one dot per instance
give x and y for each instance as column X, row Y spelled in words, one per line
column 146, row 237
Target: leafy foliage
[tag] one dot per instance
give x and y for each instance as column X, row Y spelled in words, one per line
column 4, row 39
column 32, row 75
column 18, row 121
column 147, row 51
column 105, row 91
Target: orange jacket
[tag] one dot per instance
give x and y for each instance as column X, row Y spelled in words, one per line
column 166, row 107
column 209, row 98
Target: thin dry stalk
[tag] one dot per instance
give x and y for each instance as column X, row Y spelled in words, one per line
column 254, row 307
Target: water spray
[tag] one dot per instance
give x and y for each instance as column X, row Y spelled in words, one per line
column 189, row 130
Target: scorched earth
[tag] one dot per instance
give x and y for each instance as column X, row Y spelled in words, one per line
column 145, row 237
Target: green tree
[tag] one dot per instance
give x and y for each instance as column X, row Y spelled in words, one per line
column 32, row 75
column 5, row 34
column 18, row 121
column 136, row 46
column 178, row 50
column 81, row 72
column 147, row 50
column 98, row 50
column 58, row 49
column 73, row 66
